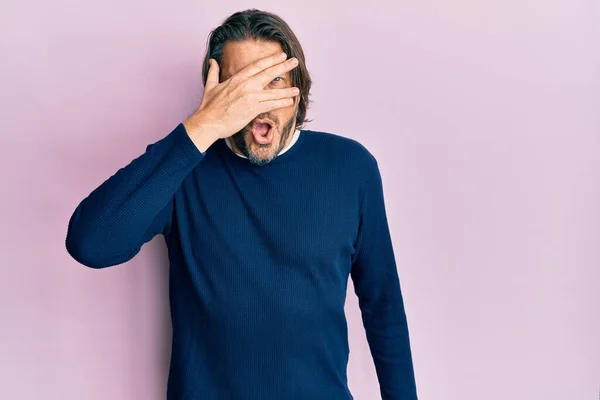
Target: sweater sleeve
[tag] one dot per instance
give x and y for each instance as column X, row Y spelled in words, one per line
column 135, row 204
column 376, row 284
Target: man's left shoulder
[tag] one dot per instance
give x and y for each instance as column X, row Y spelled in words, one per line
column 342, row 149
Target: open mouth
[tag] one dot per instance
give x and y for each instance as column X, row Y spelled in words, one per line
column 262, row 131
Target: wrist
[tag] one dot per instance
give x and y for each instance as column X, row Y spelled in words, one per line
column 200, row 134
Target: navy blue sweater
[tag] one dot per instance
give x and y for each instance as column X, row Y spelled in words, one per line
column 260, row 258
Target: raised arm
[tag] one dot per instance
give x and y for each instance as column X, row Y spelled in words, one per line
column 111, row 224
column 135, row 204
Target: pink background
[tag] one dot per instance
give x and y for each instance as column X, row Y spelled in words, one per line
column 485, row 119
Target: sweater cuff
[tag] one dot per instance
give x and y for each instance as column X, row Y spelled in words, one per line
column 190, row 150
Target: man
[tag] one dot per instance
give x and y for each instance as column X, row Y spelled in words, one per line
column 264, row 222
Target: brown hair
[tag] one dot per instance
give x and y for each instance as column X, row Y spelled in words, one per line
column 261, row 25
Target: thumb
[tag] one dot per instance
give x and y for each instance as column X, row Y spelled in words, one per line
column 212, row 78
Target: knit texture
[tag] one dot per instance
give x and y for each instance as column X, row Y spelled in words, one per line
column 260, row 258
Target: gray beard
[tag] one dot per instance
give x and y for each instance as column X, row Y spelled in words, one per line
column 240, row 142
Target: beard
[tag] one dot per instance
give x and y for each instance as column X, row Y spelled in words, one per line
column 239, row 138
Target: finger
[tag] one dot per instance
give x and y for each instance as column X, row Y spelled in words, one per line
column 269, row 105
column 266, row 76
column 261, row 65
column 275, row 94
column 212, row 78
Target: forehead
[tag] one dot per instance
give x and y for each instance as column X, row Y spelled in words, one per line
column 238, row 55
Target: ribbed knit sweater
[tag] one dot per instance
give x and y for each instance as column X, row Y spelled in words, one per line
column 260, row 258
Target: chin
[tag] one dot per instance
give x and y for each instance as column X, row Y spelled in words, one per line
column 263, row 151
column 258, row 153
